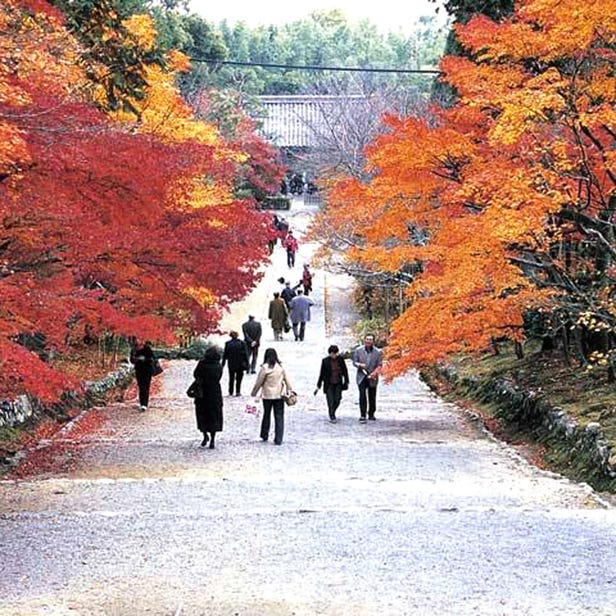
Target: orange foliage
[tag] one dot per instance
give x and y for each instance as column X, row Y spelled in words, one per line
column 481, row 197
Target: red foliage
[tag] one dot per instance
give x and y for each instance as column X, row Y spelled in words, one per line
column 94, row 233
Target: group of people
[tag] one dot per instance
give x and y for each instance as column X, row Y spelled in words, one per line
column 334, row 378
column 290, row 307
column 241, row 355
column 273, row 384
column 280, row 230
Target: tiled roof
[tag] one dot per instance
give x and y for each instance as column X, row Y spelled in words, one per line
column 293, row 121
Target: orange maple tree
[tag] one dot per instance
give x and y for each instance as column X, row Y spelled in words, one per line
column 114, row 218
column 504, row 203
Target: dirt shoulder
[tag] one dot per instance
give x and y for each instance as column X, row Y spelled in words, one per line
column 560, row 417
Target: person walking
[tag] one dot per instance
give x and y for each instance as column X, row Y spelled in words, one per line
column 273, row 382
column 300, row 314
column 273, row 233
column 142, row 357
column 283, row 228
column 208, row 404
column 288, row 293
column 368, row 360
column 235, row 355
column 306, row 279
column 334, row 377
column 291, row 246
column 278, row 314
column 252, row 338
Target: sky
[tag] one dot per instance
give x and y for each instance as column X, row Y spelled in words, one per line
column 388, row 15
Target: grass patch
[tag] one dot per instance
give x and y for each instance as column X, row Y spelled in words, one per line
column 585, row 395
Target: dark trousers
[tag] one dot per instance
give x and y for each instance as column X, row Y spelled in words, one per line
column 143, row 383
column 367, row 399
column 235, row 380
column 333, row 394
column 278, row 407
column 290, row 258
column 299, row 329
column 253, row 353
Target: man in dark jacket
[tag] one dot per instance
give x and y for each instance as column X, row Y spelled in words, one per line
column 288, row 293
column 252, row 337
column 235, row 356
column 334, row 377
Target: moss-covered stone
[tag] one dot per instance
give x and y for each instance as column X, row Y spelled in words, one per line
column 577, row 449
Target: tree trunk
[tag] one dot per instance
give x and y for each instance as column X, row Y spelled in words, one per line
column 547, row 344
column 495, row 347
column 519, row 351
column 565, row 337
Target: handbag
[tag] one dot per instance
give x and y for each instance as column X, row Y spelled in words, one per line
column 156, row 367
column 290, row 398
column 195, row 390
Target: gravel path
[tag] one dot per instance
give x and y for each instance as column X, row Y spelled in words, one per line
column 416, row 513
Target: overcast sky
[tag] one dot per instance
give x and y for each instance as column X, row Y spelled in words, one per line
column 388, row 15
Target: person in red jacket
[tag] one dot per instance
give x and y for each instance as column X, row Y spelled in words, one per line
column 307, row 279
column 290, row 244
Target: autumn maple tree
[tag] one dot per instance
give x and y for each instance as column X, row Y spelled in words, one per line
column 502, row 206
column 115, row 218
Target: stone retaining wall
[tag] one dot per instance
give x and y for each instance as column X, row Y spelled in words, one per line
column 16, row 412
column 583, row 448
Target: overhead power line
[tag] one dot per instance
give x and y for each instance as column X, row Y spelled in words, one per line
column 297, row 67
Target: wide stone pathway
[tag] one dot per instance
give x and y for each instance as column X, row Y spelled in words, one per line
column 417, row 513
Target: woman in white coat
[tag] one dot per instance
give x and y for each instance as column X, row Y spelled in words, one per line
column 273, row 382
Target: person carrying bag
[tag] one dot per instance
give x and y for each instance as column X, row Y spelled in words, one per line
column 273, row 383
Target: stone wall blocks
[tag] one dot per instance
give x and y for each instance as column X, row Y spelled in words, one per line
column 16, row 412
column 585, row 445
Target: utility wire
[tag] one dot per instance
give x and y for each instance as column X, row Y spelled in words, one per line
column 296, row 67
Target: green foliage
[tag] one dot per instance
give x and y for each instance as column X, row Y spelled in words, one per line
column 196, row 350
column 325, row 38
column 377, row 325
column 10, row 438
column 463, row 10
column 91, row 22
column 201, row 40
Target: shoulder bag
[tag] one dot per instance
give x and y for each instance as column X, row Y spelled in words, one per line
column 156, row 367
column 290, row 398
column 195, row 390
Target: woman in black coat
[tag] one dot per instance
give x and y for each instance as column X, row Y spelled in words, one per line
column 142, row 357
column 208, row 404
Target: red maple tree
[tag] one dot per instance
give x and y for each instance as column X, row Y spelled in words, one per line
column 109, row 224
